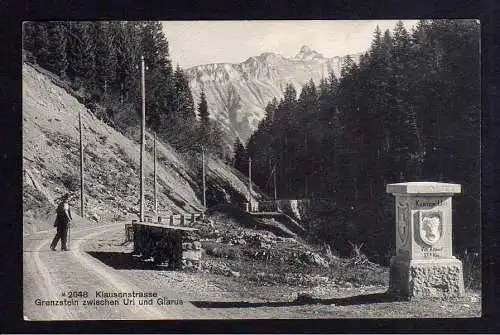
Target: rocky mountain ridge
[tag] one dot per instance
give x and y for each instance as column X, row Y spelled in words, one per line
column 237, row 94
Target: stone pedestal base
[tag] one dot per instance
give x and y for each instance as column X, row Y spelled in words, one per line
column 442, row 278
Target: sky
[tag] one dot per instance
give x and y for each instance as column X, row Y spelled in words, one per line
column 203, row 42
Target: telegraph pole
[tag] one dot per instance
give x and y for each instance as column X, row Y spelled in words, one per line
column 81, row 165
column 250, row 182
column 143, row 124
column 274, row 181
column 203, row 176
column 154, row 174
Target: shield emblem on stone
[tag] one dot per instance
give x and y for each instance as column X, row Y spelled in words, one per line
column 431, row 227
column 403, row 222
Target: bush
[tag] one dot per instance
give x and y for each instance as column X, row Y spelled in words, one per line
column 222, row 251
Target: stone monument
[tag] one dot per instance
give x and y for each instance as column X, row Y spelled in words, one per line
column 424, row 265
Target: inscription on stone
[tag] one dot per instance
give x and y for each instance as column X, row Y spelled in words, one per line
column 431, row 252
column 428, row 203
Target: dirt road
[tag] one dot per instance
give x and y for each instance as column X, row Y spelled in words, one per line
column 98, row 263
column 50, row 277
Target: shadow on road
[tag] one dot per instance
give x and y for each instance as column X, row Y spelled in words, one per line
column 347, row 301
column 123, row 261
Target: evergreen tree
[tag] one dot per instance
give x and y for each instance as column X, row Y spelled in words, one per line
column 128, row 48
column 105, row 55
column 159, row 86
column 216, row 141
column 56, row 60
column 270, row 111
column 183, row 124
column 81, row 58
column 184, row 105
column 240, row 160
column 204, row 117
column 36, row 40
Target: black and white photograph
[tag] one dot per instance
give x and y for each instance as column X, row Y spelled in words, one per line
column 251, row 169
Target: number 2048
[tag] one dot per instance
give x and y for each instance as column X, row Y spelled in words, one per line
column 78, row 294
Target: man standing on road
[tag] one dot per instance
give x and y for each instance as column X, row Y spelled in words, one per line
column 62, row 222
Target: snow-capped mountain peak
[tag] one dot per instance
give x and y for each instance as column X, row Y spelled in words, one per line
column 307, row 54
column 237, row 94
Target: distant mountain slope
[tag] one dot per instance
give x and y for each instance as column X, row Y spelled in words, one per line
column 237, row 94
column 51, row 162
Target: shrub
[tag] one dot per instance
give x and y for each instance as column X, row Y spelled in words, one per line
column 222, row 251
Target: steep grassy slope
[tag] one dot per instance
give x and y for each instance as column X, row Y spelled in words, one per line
column 51, row 162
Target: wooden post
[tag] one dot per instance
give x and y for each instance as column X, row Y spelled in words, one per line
column 82, row 212
column 305, row 186
column 203, row 176
column 154, row 175
column 250, row 183
column 274, row 177
column 143, row 124
column 305, row 177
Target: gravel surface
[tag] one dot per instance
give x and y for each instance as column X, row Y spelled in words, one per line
column 99, row 261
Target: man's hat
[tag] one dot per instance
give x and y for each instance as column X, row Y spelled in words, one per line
column 66, row 196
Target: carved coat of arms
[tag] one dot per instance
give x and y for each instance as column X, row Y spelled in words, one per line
column 431, row 227
column 403, row 222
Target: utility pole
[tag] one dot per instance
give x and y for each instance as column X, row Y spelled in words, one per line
column 154, row 175
column 203, row 176
column 250, row 183
column 143, row 124
column 81, row 165
column 274, row 181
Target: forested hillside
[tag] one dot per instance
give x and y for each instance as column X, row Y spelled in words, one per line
column 410, row 111
column 102, row 60
column 93, row 69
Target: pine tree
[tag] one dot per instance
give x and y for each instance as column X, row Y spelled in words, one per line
column 183, row 123
column 81, row 59
column 56, row 60
column 29, row 35
column 348, row 66
column 155, row 46
column 35, row 41
column 376, row 42
column 105, row 56
column 184, row 105
column 159, row 83
column 216, row 141
column 128, row 47
column 204, row 117
column 240, row 160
